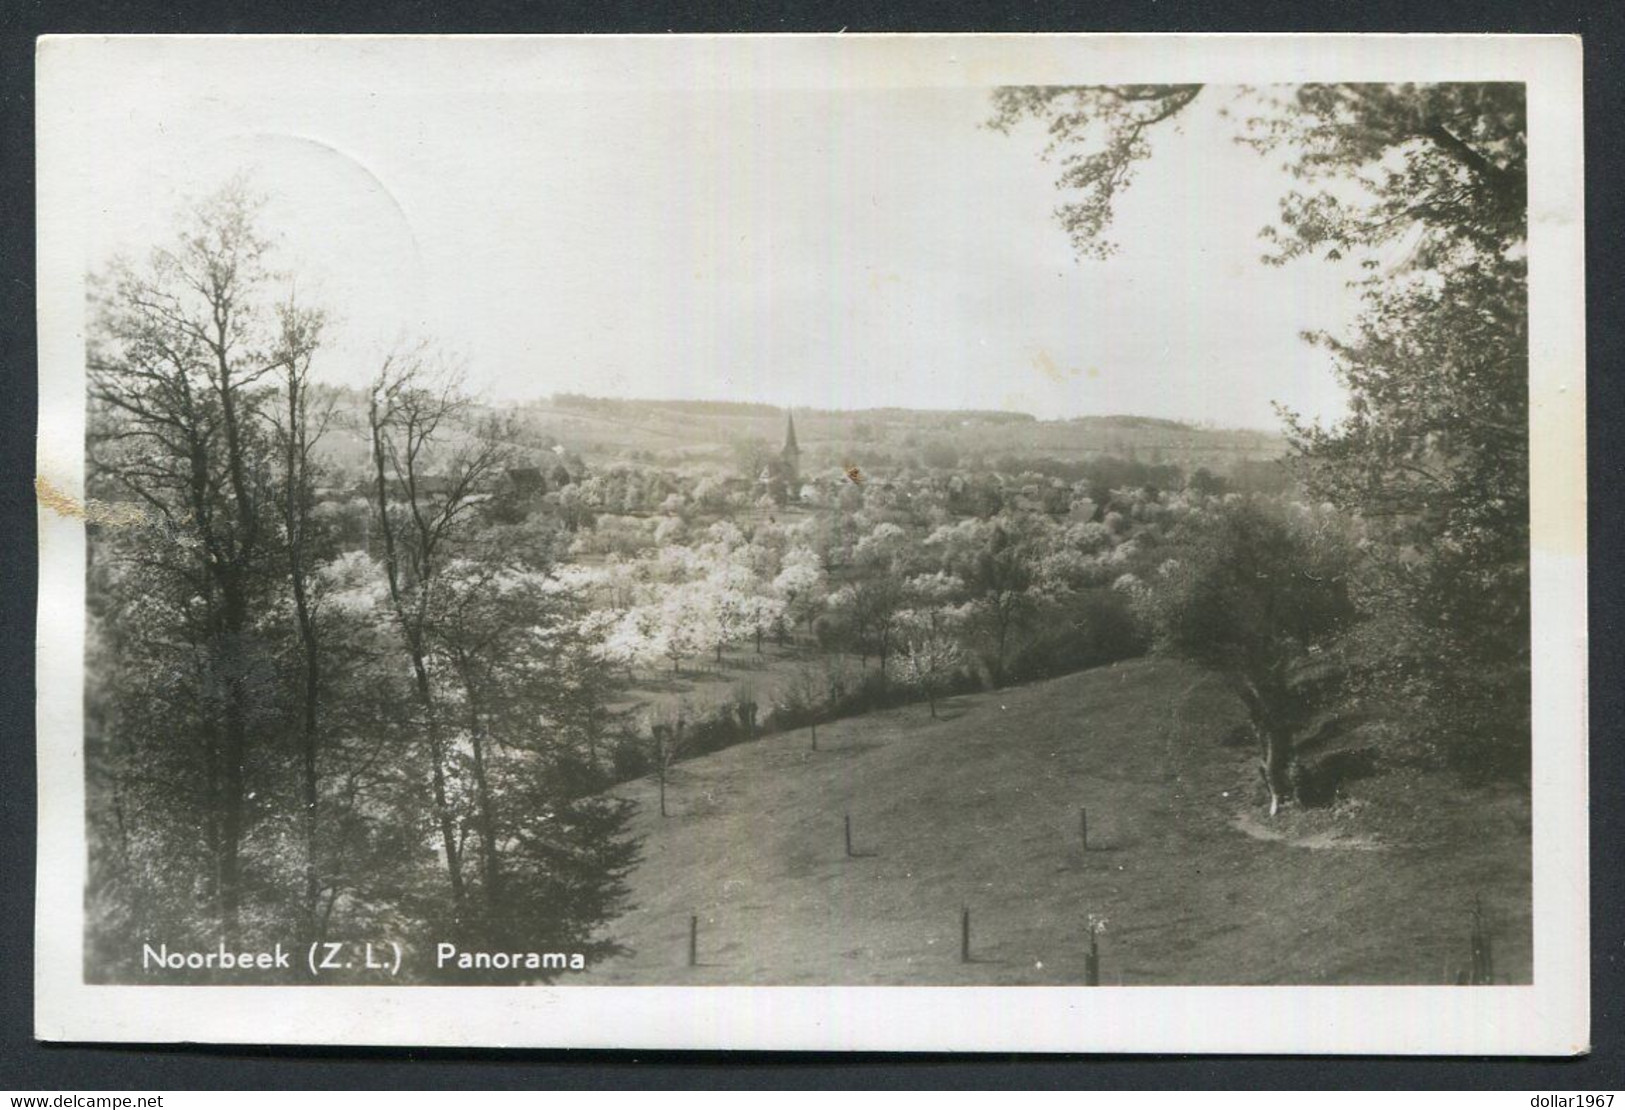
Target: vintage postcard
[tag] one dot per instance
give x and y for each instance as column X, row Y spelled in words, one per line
column 1019, row 543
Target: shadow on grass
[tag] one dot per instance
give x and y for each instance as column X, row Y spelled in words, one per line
column 952, row 710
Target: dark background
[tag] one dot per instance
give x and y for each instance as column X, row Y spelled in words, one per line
column 29, row 1066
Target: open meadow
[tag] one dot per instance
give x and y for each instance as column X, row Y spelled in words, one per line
column 980, row 811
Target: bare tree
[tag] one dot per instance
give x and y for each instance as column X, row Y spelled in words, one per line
column 297, row 429
column 869, row 608
column 668, row 741
column 428, row 470
column 178, row 379
column 931, row 654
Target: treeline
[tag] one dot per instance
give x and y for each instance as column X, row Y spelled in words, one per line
column 633, row 405
column 288, row 740
column 1123, row 421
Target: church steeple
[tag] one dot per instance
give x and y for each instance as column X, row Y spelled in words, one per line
column 790, row 455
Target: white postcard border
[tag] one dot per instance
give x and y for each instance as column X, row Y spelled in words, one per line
column 1551, row 1017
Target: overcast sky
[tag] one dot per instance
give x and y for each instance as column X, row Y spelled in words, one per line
column 845, row 248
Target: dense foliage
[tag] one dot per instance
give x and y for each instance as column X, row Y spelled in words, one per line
column 1432, row 460
column 293, row 739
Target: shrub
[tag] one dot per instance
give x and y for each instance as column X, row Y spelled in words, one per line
column 629, row 757
column 1095, row 628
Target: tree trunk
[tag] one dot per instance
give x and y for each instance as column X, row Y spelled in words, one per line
column 1275, row 765
column 592, row 737
column 235, row 612
column 211, row 809
column 412, row 630
column 485, row 820
column 231, row 817
column 233, row 757
column 490, row 862
column 444, row 817
column 297, row 479
column 309, row 781
column 1275, row 749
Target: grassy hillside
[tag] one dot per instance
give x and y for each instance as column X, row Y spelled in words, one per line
column 980, row 810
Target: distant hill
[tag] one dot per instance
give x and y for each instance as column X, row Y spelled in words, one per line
column 604, row 431
column 630, row 406
column 601, row 428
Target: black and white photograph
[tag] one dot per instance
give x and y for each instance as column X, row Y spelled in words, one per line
column 929, row 517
